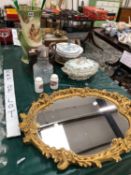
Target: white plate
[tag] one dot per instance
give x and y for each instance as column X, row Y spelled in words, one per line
column 70, row 55
column 68, row 49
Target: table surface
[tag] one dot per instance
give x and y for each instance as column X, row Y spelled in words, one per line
column 35, row 163
column 112, row 41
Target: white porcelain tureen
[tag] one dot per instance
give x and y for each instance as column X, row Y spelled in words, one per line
column 80, row 68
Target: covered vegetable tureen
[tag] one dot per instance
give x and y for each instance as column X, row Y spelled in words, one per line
column 80, row 68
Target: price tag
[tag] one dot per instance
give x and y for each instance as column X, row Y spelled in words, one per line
column 16, row 41
column 126, row 59
column 31, row 14
column 12, row 122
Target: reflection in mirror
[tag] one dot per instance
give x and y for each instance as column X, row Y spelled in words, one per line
column 84, row 125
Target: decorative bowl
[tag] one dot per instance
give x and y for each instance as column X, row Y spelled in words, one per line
column 80, row 68
column 69, row 50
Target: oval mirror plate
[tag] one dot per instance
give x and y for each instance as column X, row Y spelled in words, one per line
column 79, row 126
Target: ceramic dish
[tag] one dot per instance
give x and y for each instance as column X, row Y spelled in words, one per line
column 125, row 38
column 69, row 50
column 68, row 56
column 80, row 68
column 61, row 60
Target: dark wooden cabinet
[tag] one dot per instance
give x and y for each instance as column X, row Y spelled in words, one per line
column 124, row 14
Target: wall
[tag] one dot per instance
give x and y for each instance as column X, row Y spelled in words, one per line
column 68, row 3
column 128, row 3
column 7, row 2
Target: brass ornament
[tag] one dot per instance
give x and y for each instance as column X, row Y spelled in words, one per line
column 64, row 158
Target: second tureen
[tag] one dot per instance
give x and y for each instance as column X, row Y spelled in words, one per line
column 80, row 68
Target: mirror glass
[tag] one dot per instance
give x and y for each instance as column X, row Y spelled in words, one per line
column 85, row 125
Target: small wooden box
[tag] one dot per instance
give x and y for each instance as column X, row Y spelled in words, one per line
column 49, row 37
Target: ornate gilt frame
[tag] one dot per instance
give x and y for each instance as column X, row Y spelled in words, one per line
column 64, row 158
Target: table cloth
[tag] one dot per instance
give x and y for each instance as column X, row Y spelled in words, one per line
column 35, row 163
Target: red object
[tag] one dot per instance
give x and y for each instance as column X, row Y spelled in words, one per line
column 111, row 17
column 94, row 13
column 11, row 13
column 80, row 17
column 6, row 36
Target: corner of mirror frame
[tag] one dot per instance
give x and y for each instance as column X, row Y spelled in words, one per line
column 64, row 158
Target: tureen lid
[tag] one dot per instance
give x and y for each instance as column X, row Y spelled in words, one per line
column 82, row 64
column 80, row 68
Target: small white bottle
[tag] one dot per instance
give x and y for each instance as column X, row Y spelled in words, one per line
column 38, row 82
column 54, row 82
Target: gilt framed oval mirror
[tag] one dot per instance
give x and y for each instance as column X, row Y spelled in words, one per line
column 79, row 126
